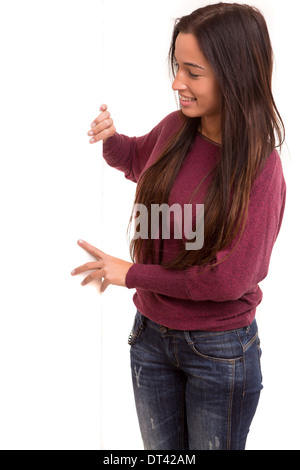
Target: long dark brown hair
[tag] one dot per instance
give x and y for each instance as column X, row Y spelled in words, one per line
column 235, row 40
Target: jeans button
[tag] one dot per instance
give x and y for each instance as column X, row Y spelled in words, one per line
column 163, row 329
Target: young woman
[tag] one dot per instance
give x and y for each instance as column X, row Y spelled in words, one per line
column 195, row 350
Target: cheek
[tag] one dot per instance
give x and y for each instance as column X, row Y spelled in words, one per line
column 215, row 94
column 210, row 96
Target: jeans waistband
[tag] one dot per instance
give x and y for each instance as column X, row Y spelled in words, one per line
column 164, row 329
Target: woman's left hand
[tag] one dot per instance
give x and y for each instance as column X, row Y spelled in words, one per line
column 112, row 270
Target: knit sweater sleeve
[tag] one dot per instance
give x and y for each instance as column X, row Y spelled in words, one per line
column 131, row 154
column 246, row 260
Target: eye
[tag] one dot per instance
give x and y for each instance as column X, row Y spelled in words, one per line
column 176, row 68
column 193, row 75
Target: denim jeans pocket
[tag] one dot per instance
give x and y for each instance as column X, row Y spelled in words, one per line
column 224, row 346
column 216, row 347
column 137, row 328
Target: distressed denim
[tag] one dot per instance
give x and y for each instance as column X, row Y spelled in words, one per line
column 194, row 390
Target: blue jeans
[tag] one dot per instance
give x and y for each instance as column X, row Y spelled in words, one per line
column 194, row 390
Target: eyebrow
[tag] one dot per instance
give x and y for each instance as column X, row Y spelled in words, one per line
column 191, row 64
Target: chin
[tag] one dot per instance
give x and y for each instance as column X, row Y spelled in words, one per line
column 192, row 113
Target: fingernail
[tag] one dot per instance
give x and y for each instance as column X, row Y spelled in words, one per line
column 90, row 133
column 73, row 272
column 80, row 242
column 93, row 125
column 92, row 140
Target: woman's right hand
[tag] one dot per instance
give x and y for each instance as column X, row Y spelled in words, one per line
column 102, row 127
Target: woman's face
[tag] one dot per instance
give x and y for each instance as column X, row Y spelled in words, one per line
column 195, row 82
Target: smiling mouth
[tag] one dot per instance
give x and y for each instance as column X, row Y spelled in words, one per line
column 186, row 98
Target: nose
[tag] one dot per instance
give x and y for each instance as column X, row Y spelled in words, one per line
column 178, row 83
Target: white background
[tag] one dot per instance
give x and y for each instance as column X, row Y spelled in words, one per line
column 64, row 358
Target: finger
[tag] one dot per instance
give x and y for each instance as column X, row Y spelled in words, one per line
column 103, row 107
column 103, row 135
column 91, row 249
column 100, row 118
column 104, row 124
column 104, row 285
column 87, row 267
column 93, row 277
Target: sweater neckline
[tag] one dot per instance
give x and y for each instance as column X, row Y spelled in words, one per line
column 208, row 140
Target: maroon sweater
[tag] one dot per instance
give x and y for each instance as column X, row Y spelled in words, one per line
column 226, row 296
